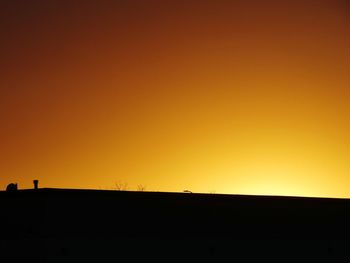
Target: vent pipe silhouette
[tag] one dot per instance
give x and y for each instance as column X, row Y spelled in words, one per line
column 36, row 184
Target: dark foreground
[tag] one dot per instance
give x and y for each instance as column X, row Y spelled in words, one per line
column 56, row 225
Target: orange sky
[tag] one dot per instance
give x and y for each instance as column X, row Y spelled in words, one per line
column 247, row 97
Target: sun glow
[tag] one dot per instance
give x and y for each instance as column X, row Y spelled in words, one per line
column 279, row 188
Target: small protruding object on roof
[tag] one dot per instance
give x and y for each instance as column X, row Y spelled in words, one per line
column 11, row 187
column 36, row 184
column 187, row 191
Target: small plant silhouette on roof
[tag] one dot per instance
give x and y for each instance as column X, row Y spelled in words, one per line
column 141, row 187
column 120, row 186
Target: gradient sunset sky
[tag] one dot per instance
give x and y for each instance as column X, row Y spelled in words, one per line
column 237, row 97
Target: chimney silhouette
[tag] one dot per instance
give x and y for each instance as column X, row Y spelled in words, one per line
column 36, row 184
